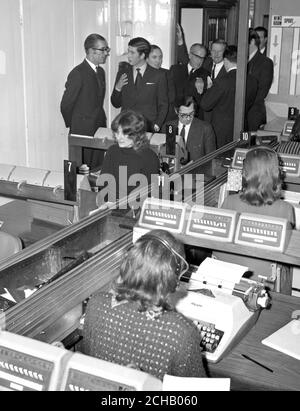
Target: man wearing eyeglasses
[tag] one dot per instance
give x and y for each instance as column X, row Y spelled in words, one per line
column 197, row 136
column 82, row 102
column 191, row 79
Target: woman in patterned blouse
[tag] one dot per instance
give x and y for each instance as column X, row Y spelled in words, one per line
column 134, row 324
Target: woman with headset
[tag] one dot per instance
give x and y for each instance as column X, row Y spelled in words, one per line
column 260, row 194
column 134, row 323
column 261, row 186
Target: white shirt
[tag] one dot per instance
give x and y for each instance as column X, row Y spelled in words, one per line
column 218, row 68
column 142, row 71
column 190, row 68
column 92, row 65
column 262, row 50
column 187, row 130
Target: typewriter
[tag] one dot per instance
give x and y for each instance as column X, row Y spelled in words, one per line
column 222, row 304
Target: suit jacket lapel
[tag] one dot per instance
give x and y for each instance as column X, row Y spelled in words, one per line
column 99, row 78
column 195, row 133
column 146, row 78
column 252, row 62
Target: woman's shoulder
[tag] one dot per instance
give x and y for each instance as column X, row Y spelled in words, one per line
column 147, row 151
column 147, row 154
column 179, row 322
column 283, row 205
column 100, row 298
column 231, row 200
column 113, row 149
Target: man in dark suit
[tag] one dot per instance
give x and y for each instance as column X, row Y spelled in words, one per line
column 261, row 68
column 220, row 98
column 191, row 79
column 263, row 36
column 198, row 136
column 82, row 102
column 215, row 66
column 215, row 63
column 155, row 60
column 140, row 87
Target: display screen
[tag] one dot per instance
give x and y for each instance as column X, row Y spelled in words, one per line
column 22, row 372
column 164, row 215
column 260, row 232
column 290, row 164
column 210, row 224
column 81, row 381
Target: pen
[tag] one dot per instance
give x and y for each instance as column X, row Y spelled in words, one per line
column 258, row 363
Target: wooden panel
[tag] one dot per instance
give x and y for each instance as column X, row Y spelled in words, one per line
column 12, row 121
column 48, row 37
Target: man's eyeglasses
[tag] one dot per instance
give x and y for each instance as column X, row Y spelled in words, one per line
column 103, row 49
column 186, row 115
column 196, row 55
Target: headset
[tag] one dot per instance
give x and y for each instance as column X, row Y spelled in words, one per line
column 262, row 148
column 179, row 271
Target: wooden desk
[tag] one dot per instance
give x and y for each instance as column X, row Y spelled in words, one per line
column 246, row 375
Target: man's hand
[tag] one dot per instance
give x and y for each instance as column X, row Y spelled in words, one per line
column 156, row 128
column 209, row 82
column 123, row 80
column 179, row 34
column 199, row 84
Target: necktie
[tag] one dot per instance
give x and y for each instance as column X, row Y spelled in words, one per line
column 182, row 133
column 138, row 78
column 183, row 155
column 100, row 76
column 213, row 72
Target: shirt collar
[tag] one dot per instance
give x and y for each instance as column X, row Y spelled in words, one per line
column 190, row 68
column 187, row 128
column 219, row 65
column 94, row 67
column 142, row 69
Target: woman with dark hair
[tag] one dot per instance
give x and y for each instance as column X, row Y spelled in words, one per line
column 135, row 324
column 260, row 194
column 129, row 157
column 261, row 187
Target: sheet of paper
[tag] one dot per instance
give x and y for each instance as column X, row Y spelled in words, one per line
column 219, row 272
column 171, row 383
column 286, row 339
